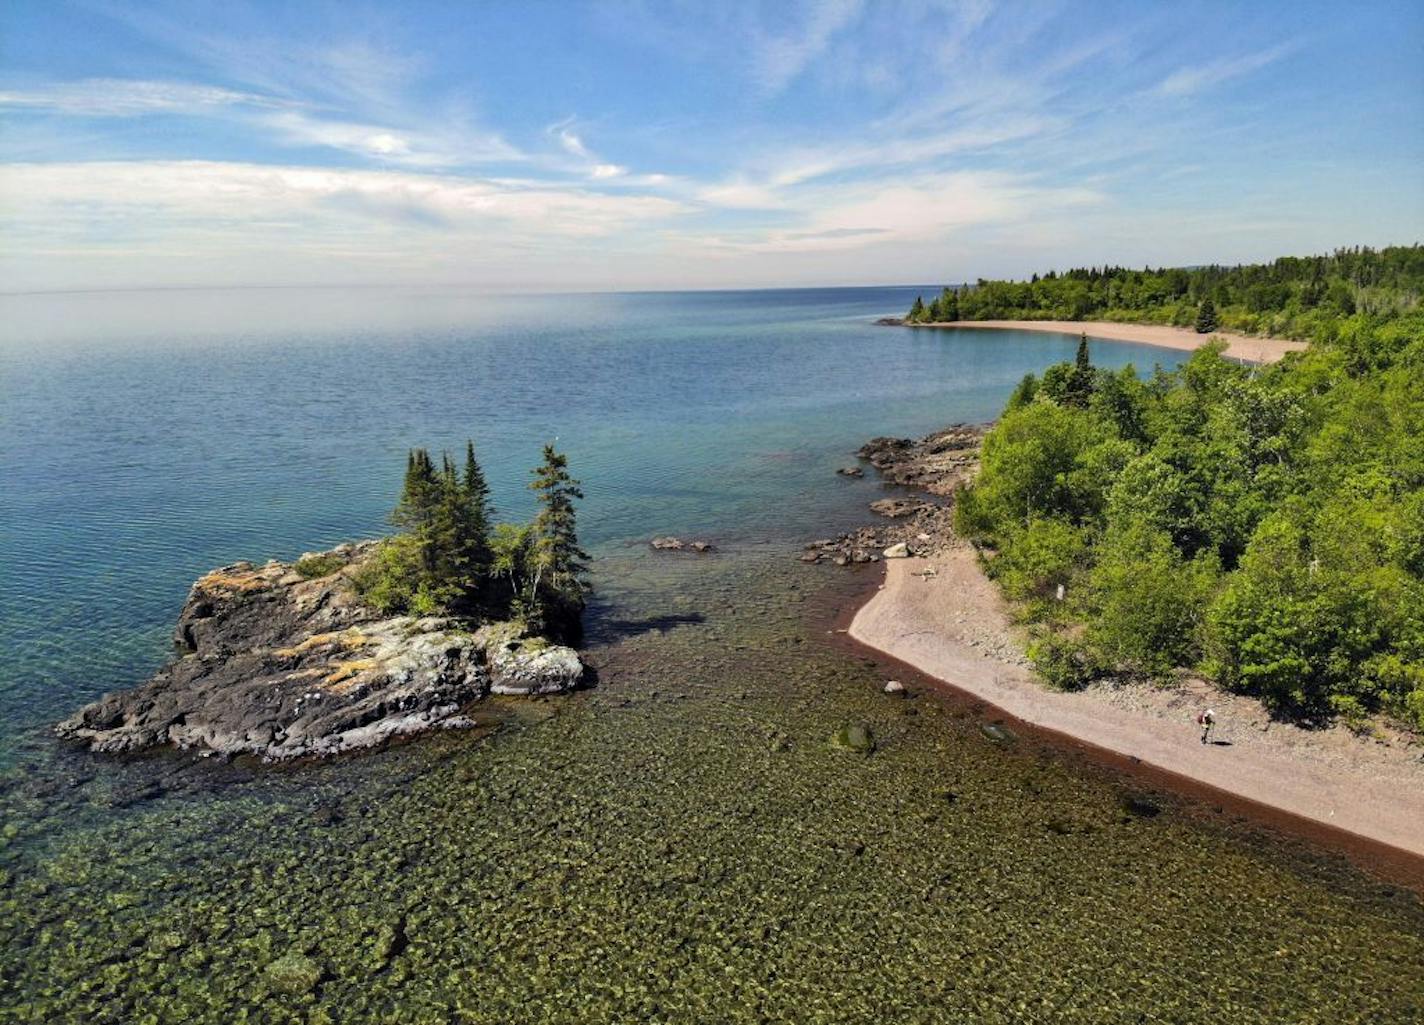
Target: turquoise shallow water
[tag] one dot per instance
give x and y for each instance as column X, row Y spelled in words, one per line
column 680, row 843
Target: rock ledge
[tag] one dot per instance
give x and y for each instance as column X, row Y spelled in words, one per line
column 280, row 664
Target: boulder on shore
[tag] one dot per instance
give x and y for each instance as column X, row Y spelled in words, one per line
column 279, row 663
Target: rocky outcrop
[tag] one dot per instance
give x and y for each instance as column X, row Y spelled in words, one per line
column 935, row 465
column 285, row 661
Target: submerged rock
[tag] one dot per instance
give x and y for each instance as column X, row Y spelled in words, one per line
column 854, row 737
column 677, row 544
column 293, row 974
column 996, row 734
column 282, row 665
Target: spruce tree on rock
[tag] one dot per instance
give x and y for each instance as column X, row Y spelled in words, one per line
column 559, row 564
column 477, row 501
column 1206, row 318
column 917, row 311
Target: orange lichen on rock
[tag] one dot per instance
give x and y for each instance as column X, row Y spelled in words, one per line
column 352, row 638
column 236, row 579
column 345, row 673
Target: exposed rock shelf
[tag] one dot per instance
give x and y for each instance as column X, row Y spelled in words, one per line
column 935, row 465
column 280, row 666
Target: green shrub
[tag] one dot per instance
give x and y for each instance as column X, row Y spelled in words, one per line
column 1063, row 662
column 312, row 566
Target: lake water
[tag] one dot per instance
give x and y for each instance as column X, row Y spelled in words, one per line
column 677, row 844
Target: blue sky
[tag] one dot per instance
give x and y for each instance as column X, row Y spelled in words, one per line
column 666, row 144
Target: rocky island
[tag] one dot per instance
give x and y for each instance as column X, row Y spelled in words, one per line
column 346, row 649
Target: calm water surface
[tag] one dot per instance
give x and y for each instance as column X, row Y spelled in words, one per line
column 679, row 843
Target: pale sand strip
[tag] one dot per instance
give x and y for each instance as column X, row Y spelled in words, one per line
column 1242, row 347
column 1328, row 776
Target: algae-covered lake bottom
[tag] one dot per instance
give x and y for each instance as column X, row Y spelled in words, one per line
column 681, row 842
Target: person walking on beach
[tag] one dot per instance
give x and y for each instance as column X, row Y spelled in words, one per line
column 1205, row 721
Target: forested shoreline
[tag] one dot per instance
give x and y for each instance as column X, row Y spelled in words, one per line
column 1261, row 525
column 1306, row 298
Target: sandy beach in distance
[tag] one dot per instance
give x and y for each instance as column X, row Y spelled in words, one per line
column 1242, row 347
column 944, row 617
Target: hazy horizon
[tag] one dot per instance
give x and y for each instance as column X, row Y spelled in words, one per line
column 644, row 147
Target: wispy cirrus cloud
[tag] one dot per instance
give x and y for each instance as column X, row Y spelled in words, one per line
column 782, row 54
column 1193, row 79
column 115, row 97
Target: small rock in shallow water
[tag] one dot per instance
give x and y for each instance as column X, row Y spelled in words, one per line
column 996, row 733
column 851, row 471
column 1139, row 806
column 854, row 737
column 293, row 973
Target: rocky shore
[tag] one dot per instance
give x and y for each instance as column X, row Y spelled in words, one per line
column 918, row 523
column 284, row 661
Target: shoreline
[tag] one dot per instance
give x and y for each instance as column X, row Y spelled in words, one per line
column 1242, row 347
column 1348, row 793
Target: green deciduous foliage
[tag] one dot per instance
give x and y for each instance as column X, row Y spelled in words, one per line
column 1265, row 526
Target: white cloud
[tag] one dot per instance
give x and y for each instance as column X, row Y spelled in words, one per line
column 780, row 58
column 109, row 97
column 922, row 207
column 1190, row 80
column 117, row 199
column 410, row 148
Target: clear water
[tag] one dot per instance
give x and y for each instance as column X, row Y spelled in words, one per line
column 148, row 437
column 680, row 843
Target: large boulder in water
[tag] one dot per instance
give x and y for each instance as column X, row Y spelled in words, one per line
column 282, row 665
column 527, row 665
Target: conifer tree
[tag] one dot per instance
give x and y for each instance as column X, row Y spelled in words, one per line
column 1080, row 381
column 559, row 564
column 917, row 311
column 477, row 501
column 1206, row 318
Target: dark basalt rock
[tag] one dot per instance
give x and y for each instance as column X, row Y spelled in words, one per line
column 280, row 666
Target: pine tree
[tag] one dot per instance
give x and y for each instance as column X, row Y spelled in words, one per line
column 558, row 586
column 1206, row 318
column 1080, row 381
column 420, row 496
column 917, row 311
column 477, row 501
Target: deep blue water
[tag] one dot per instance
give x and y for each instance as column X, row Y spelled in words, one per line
column 146, row 437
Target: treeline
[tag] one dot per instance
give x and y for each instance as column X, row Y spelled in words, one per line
column 1308, row 298
column 1264, row 526
column 451, row 558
